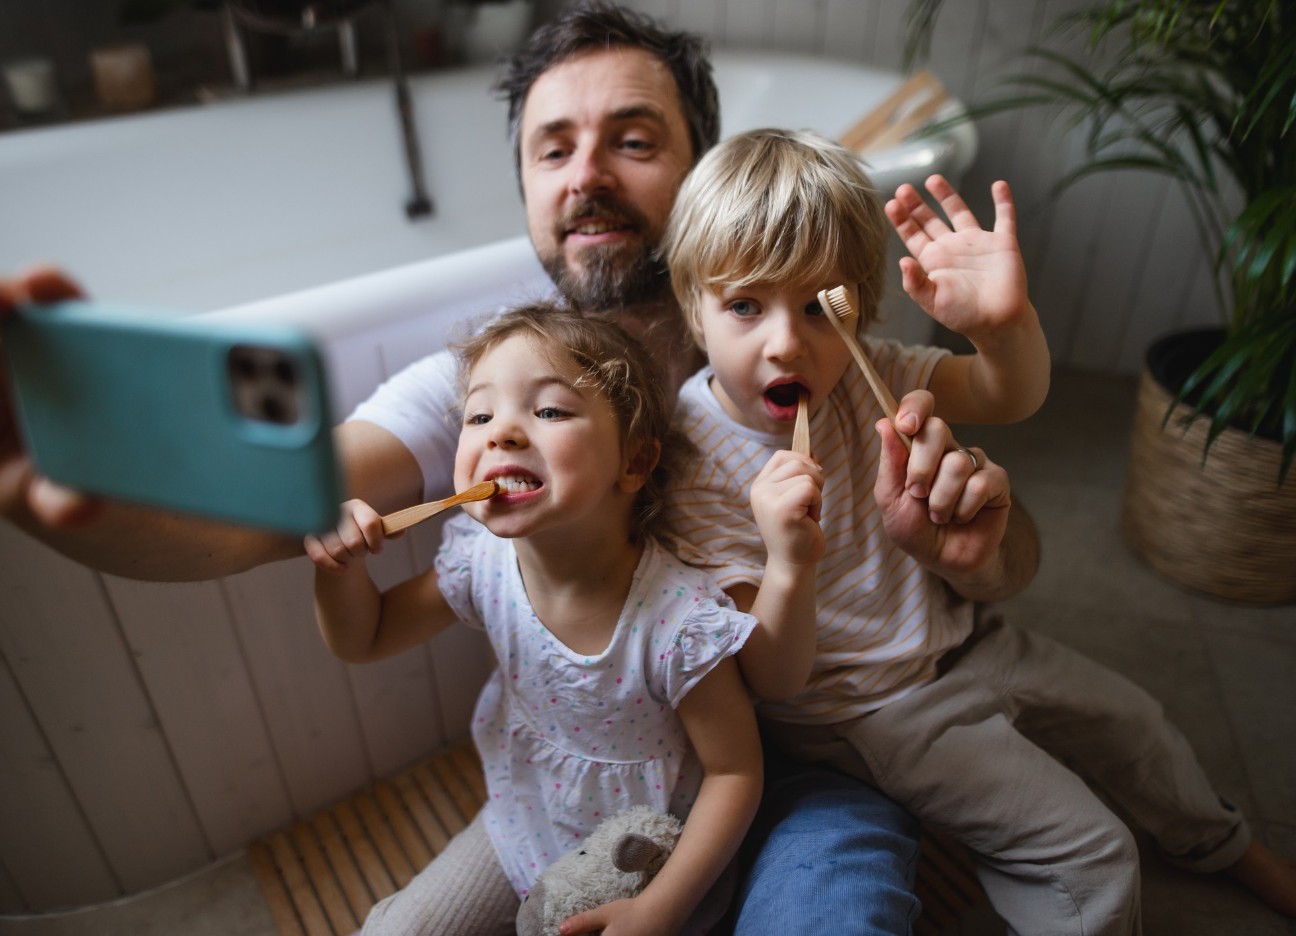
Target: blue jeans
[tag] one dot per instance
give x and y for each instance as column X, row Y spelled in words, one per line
column 826, row 854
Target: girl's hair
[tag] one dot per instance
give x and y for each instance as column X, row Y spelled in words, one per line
column 776, row 207
column 619, row 369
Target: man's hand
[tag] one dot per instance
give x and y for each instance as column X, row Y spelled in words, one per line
column 22, row 491
column 954, row 524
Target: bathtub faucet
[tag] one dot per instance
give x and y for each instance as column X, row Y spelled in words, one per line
column 419, row 204
column 289, row 16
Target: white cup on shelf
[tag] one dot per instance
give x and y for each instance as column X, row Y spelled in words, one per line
column 31, row 85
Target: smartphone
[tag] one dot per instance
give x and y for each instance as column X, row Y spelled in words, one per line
column 224, row 421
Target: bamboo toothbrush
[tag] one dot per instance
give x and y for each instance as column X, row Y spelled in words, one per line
column 402, row 519
column 840, row 309
column 801, row 431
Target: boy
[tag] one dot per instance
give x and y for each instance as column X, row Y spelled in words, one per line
column 863, row 563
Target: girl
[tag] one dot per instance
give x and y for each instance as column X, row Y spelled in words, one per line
column 616, row 682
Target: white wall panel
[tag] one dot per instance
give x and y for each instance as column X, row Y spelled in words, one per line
column 746, row 24
column 305, row 692
column 1119, row 264
column 67, row 657
column 188, row 652
column 49, row 852
column 850, row 29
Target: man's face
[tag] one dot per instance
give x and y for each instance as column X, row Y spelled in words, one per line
column 604, row 147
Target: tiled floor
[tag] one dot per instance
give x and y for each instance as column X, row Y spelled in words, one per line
column 1226, row 674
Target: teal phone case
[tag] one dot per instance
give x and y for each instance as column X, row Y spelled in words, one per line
column 225, row 421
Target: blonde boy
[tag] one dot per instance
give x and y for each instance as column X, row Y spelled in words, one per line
column 863, row 563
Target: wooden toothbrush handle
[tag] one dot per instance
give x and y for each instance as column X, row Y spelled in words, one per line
column 403, row 519
column 801, row 430
column 880, row 389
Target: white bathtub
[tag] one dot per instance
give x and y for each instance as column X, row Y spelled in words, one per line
column 207, row 207
column 146, row 730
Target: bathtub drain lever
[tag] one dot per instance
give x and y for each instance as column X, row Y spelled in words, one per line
column 419, row 204
column 287, row 17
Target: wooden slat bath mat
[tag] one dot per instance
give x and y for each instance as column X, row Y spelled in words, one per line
column 322, row 876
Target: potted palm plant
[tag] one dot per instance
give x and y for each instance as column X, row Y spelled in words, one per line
column 1203, row 91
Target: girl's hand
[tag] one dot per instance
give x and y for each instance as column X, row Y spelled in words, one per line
column 967, row 278
column 786, row 497
column 359, row 533
column 619, row 918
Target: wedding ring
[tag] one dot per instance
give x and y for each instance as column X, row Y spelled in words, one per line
column 976, row 462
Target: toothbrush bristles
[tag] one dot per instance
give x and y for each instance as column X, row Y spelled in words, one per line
column 841, row 311
column 841, row 304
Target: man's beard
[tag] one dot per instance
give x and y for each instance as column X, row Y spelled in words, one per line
column 611, row 275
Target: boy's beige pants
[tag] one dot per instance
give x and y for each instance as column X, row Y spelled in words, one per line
column 975, row 754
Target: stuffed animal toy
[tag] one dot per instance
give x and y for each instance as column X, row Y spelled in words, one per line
column 617, row 861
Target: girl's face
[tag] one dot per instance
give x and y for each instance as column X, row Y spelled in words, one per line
column 768, row 343
column 554, row 447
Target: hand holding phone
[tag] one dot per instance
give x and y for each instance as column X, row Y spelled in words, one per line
column 20, row 492
column 219, row 420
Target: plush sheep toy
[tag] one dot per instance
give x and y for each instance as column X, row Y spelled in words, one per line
column 617, row 861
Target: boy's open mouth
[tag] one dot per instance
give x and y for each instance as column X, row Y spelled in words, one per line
column 781, row 399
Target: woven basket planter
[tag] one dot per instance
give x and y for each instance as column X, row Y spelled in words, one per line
column 1223, row 527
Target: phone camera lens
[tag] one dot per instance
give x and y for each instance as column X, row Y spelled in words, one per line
column 265, row 384
column 273, row 410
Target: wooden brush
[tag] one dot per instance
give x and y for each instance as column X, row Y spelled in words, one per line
column 898, row 115
column 403, row 519
column 841, row 311
column 801, row 431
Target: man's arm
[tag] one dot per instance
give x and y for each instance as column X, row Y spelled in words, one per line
column 1013, row 567
column 154, row 545
column 157, row 545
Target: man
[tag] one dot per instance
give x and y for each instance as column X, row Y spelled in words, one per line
column 596, row 201
column 608, row 113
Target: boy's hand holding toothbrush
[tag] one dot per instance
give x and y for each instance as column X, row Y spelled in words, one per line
column 785, row 498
